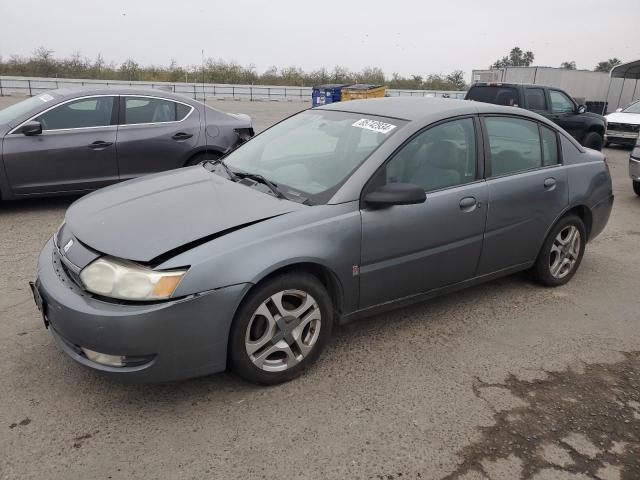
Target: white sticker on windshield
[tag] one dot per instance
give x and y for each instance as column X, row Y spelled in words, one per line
column 374, row 125
column 45, row 97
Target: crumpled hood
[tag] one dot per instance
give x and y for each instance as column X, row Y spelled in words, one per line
column 143, row 218
column 619, row 117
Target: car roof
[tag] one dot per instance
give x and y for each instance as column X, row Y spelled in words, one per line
column 67, row 93
column 508, row 84
column 425, row 109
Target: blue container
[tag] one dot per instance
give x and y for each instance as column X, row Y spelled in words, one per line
column 325, row 94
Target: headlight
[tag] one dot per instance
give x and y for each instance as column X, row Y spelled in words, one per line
column 125, row 280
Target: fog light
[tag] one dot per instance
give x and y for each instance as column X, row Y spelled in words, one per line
column 103, row 358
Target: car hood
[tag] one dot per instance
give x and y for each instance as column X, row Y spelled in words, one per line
column 147, row 217
column 620, row 117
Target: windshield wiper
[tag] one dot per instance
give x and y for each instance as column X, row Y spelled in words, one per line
column 218, row 161
column 259, row 178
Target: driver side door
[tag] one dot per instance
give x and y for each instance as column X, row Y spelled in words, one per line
column 411, row 249
column 75, row 152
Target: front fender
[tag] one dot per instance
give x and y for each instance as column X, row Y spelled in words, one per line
column 325, row 235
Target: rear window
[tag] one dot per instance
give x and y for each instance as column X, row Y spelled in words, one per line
column 153, row 110
column 498, row 95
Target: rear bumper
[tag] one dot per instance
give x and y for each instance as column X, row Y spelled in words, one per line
column 634, row 169
column 176, row 339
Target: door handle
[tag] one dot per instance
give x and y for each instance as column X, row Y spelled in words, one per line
column 99, row 144
column 182, row 136
column 468, row 204
column 549, row 183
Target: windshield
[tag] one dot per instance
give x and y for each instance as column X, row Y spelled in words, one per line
column 9, row 114
column 633, row 108
column 313, row 152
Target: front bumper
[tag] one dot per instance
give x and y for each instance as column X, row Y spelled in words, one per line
column 170, row 340
column 634, row 169
column 620, row 137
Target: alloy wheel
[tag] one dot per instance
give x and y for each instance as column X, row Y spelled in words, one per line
column 283, row 330
column 565, row 251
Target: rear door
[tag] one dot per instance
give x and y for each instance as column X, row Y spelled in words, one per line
column 75, row 151
column 527, row 188
column 155, row 134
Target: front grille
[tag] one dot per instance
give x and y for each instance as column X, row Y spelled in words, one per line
column 623, row 127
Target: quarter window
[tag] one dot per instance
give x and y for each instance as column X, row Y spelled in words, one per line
column 514, row 144
column 560, row 103
column 536, row 99
column 83, row 113
column 153, row 110
column 442, row 156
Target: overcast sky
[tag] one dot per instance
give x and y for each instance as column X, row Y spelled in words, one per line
column 416, row 37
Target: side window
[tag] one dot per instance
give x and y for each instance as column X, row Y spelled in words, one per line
column 153, row 110
column 442, row 156
column 536, row 99
column 560, row 103
column 83, row 113
column 514, row 144
column 549, row 146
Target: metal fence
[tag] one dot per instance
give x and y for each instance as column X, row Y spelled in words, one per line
column 30, row 86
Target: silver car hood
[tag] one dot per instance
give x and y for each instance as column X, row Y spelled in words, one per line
column 144, row 218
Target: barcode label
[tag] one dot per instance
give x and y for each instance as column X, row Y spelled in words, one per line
column 374, row 125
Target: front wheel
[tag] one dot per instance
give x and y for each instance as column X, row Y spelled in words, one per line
column 593, row 140
column 280, row 329
column 561, row 252
column 636, row 187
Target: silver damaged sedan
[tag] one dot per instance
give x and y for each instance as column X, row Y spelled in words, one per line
column 332, row 214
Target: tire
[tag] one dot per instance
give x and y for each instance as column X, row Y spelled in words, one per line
column 551, row 267
column 636, row 187
column 201, row 157
column 593, row 140
column 267, row 347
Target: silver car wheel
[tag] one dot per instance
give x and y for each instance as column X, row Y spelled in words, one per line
column 564, row 252
column 283, row 330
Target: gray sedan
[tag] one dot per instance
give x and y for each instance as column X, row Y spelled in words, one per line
column 69, row 142
column 333, row 214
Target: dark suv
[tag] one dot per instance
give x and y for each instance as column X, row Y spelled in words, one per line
column 553, row 103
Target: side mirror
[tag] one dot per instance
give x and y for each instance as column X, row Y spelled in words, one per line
column 395, row 194
column 618, row 109
column 31, row 128
column 581, row 109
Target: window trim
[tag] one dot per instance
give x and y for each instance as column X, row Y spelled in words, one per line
column 13, row 131
column 123, row 108
column 487, row 146
column 479, row 177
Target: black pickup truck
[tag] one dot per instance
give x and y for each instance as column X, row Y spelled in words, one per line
column 553, row 103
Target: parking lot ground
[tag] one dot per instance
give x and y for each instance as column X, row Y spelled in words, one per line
column 501, row 381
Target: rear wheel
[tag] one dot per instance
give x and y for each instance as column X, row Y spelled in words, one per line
column 636, row 187
column 561, row 252
column 280, row 329
column 593, row 140
column 201, row 157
